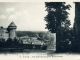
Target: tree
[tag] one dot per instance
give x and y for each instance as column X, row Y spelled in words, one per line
column 57, row 20
column 76, row 29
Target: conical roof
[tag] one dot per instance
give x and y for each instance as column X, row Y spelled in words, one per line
column 12, row 24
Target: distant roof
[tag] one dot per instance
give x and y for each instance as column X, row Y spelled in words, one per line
column 3, row 29
column 12, row 24
column 35, row 42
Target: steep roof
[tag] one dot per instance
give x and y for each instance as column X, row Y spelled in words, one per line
column 12, row 24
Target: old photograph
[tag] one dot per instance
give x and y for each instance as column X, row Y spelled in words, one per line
column 23, row 28
column 40, row 29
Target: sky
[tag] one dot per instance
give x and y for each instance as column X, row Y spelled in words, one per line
column 27, row 16
column 71, row 13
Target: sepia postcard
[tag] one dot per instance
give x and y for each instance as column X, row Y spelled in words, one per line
column 39, row 30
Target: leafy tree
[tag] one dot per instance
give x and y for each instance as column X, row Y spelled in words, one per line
column 57, row 21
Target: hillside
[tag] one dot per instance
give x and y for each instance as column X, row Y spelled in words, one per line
column 41, row 35
column 30, row 33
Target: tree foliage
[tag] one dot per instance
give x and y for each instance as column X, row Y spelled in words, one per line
column 57, row 21
column 56, row 14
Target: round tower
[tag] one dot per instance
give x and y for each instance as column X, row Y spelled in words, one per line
column 12, row 30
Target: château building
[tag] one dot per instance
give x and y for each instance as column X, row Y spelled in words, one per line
column 8, row 32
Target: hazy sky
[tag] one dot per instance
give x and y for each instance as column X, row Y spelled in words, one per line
column 27, row 16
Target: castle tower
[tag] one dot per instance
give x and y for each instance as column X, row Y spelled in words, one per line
column 12, row 29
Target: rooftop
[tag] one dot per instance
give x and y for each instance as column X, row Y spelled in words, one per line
column 12, row 24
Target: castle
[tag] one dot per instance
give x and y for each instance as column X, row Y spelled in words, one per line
column 9, row 32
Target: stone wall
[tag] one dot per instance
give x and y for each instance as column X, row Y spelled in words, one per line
column 52, row 44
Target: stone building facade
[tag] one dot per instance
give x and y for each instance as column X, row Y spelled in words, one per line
column 9, row 32
column 36, row 42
